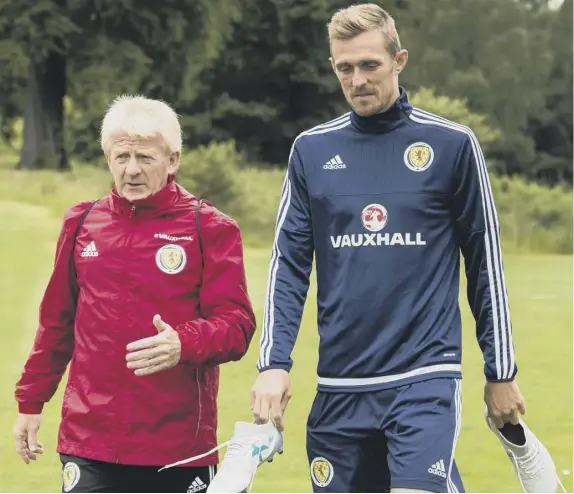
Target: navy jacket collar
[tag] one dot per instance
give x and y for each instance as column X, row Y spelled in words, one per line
column 387, row 120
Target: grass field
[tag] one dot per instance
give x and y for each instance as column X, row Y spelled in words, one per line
column 541, row 304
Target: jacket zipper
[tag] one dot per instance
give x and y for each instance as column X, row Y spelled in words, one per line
column 130, row 216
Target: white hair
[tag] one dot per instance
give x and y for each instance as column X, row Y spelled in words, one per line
column 138, row 116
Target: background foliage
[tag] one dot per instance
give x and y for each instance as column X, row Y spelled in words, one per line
column 248, row 76
column 257, row 71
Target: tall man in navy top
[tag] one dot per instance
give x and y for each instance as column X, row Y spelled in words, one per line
column 385, row 197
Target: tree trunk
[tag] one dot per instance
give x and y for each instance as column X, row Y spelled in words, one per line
column 43, row 136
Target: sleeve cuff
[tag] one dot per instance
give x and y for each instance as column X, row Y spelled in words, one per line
column 30, row 408
column 491, row 378
column 285, row 367
column 189, row 337
column 494, row 380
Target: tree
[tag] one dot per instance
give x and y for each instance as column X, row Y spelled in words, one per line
column 552, row 128
column 38, row 34
column 272, row 81
column 269, row 82
column 160, row 50
column 155, row 48
column 496, row 55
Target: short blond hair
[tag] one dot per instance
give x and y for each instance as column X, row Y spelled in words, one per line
column 357, row 19
column 139, row 116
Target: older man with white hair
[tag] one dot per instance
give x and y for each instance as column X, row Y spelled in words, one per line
column 147, row 297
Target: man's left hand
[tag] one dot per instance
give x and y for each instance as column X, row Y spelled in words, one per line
column 504, row 401
column 155, row 353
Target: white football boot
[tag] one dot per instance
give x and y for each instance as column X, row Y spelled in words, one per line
column 251, row 445
column 531, row 460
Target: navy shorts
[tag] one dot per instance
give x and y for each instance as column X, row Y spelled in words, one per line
column 373, row 441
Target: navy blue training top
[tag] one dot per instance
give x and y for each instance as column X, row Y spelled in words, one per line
column 385, row 204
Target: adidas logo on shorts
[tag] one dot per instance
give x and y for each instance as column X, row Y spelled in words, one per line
column 196, row 486
column 438, row 469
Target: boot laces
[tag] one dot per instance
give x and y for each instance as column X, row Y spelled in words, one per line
column 529, row 464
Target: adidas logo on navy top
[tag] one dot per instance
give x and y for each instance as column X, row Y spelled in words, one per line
column 334, row 164
column 438, row 469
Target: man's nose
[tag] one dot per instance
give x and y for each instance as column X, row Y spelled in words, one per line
column 133, row 167
column 358, row 79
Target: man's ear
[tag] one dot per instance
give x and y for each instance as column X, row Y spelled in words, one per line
column 332, row 64
column 174, row 161
column 401, row 59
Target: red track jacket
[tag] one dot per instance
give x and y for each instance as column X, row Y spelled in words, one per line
column 134, row 260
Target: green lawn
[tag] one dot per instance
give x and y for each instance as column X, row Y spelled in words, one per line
column 541, row 304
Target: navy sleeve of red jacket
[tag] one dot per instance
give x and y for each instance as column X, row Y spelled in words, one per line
column 54, row 341
column 291, row 264
column 227, row 325
column 477, row 231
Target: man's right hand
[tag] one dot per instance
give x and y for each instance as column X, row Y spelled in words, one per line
column 271, row 392
column 26, row 436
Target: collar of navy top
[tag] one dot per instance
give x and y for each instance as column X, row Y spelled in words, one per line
column 387, row 120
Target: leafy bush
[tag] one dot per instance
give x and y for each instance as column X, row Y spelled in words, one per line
column 250, row 195
column 212, row 173
column 457, row 111
column 533, row 218
column 260, row 202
